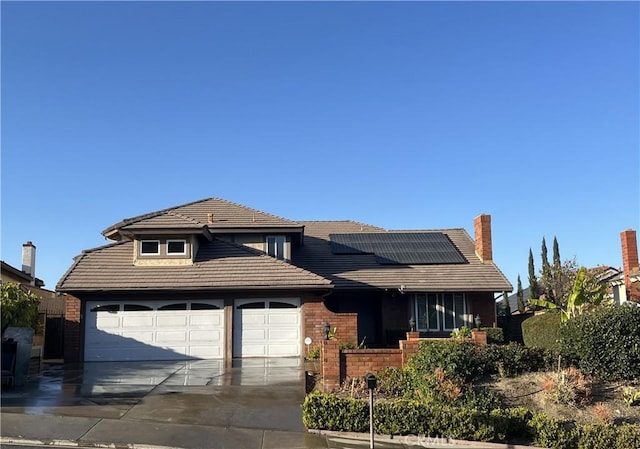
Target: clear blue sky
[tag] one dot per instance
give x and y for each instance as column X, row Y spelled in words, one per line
column 413, row 115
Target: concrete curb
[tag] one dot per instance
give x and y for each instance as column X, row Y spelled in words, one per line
column 421, row 440
column 78, row 444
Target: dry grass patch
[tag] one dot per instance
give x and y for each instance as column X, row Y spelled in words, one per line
column 583, row 401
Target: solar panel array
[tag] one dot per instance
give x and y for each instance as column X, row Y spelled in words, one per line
column 404, row 248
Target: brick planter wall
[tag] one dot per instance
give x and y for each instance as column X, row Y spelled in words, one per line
column 358, row 362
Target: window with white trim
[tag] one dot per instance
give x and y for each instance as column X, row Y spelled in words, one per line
column 149, row 247
column 275, row 246
column 176, row 247
column 441, row 311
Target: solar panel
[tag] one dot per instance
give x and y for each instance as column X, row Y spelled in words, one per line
column 404, row 248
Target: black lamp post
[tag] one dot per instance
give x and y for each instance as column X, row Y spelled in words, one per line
column 326, row 327
column 478, row 322
column 412, row 324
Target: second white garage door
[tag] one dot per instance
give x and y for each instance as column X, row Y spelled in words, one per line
column 266, row 328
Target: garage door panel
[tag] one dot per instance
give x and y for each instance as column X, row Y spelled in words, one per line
column 201, row 337
column 139, row 336
column 136, row 321
column 108, row 321
column 168, row 319
column 171, row 337
column 206, row 320
column 152, row 334
column 283, row 318
column 250, row 317
column 288, row 335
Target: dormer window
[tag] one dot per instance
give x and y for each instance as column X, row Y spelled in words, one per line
column 150, row 247
column 176, row 247
column 275, row 246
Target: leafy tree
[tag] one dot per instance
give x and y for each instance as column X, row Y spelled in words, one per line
column 19, row 306
column 520, row 295
column 585, row 293
column 534, row 290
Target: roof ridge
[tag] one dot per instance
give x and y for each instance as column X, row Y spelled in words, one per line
column 137, row 218
column 251, row 209
column 184, row 217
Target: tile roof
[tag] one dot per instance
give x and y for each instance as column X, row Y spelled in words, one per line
column 362, row 270
column 218, row 266
column 196, row 215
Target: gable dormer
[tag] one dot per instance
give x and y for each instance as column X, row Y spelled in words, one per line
column 171, row 236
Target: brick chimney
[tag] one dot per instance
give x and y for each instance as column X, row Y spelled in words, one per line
column 482, row 229
column 29, row 260
column 630, row 261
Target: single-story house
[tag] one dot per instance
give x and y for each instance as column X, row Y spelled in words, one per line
column 215, row 279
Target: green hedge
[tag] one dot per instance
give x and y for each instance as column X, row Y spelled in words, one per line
column 495, row 335
column 402, row 417
column 468, row 362
column 604, row 343
column 542, row 331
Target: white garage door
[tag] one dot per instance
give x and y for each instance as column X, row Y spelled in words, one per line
column 154, row 330
column 266, row 328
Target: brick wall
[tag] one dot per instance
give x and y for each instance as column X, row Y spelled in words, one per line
column 358, row 362
column 72, row 330
column 483, row 304
column 315, row 314
column 338, row 365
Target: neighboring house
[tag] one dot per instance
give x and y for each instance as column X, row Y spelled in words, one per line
column 49, row 334
column 214, row 279
column 26, row 275
column 624, row 285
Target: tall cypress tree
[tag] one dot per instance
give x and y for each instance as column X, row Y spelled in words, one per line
column 545, row 257
column 506, row 308
column 546, row 280
column 520, row 295
column 534, row 290
column 556, row 254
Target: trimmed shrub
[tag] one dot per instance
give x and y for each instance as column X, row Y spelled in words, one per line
column 552, row 433
column 495, row 335
column 458, row 359
column 604, row 343
column 405, row 416
column 542, row 331
column 513, row 359
column 326, row 411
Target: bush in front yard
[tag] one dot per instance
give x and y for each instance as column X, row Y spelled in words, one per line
column 495, row 335
column 458, row 359
column 604, row 343
column 542, row 331
column 403, row 416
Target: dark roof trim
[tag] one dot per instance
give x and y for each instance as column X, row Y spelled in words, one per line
column 21, row 274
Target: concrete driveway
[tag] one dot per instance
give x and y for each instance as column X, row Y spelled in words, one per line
column 191, row 404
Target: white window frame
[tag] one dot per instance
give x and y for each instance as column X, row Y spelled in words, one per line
column 277, row 238
column 441, row 311
column 157, row 242
column 184, row 247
